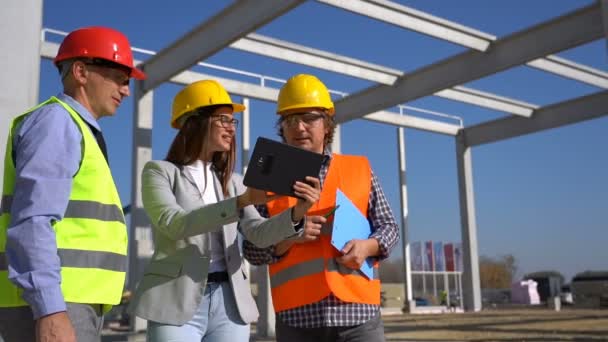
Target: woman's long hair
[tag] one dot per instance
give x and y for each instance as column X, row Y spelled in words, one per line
column 190, row 144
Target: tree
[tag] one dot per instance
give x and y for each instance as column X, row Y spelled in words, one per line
column 497, row 272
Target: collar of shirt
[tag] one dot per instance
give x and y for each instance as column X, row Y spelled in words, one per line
column 326, row 157
column 83, row 112
column 200, row 165
column 203, row 176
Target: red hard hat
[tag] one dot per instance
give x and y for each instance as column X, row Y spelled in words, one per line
column 99, row 42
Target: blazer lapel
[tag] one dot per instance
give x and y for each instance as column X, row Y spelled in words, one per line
column 187, row 175
column 230, row 230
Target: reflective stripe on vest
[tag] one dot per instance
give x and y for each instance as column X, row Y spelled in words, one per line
column 91, row 236
column 310, row 269
column 84, row 259
column 79, row 209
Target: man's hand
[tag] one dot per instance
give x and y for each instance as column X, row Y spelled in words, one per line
column 311, row 232
column 312, row 229
column 308, row 195
column 356, row 251
column 55, row 327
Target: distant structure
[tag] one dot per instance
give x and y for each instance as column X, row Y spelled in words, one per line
column 436, row 271
column 549, row 286
column 590, row 289
column 525, row 292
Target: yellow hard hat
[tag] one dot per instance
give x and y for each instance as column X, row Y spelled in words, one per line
column 200, row 94
column 304, row 91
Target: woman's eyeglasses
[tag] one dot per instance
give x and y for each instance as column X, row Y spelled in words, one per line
column 226, row 121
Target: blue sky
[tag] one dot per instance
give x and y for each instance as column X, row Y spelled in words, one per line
column 541, row 197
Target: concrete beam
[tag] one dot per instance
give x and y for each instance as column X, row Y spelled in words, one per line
column 232, row 23
column 295, row 53
column 299, row 54
column 413, row 122
column 552, row 116
column 414, row 20
column 430, row 25
column 487, row 100
column 571, row 70
column 570, row 30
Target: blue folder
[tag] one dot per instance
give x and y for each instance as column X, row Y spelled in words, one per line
column 350, row 224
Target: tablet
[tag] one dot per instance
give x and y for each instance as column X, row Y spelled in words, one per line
column 275, row 166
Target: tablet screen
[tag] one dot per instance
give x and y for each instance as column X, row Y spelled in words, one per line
column 275, row 166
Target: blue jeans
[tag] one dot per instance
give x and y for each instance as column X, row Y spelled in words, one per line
column 216, row 320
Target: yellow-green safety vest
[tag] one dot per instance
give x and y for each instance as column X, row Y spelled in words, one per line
column 91, row 237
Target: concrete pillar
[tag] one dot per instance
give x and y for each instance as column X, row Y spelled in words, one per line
column 604, row 5
column 141, row 245
column 20, row 26
column 245, row 136
column 407, row 270
column 267, row 317
column 471, row 284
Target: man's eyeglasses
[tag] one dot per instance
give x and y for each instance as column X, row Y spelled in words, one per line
column 120, row 73
column 226, row 121
column 292, row 120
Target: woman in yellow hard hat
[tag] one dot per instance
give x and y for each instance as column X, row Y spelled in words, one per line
column 196, row 286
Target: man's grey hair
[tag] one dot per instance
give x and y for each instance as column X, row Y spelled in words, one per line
column 65, row 67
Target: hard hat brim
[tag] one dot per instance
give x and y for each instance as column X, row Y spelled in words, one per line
column 138, row 74
column 236, row 108
column 330, row 111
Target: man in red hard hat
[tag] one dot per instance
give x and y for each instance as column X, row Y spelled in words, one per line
column 63, row 238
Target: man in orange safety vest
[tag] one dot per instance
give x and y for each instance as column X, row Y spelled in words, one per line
column 318, row 292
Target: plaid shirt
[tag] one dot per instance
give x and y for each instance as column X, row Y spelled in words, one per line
column 331, row 311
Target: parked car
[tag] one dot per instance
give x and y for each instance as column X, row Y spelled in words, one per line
column 421, row 301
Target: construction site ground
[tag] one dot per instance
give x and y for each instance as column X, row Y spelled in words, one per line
column 488, row 325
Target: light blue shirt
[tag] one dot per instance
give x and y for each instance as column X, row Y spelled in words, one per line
column 47, row 155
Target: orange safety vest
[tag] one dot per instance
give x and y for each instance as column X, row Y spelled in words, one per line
column 309, row 272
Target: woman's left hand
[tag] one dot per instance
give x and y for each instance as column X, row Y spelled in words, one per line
column 253, row 196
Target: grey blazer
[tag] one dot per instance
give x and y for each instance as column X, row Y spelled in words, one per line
column 171, row 288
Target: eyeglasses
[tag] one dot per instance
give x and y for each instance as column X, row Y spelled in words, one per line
column 307, row 119
column 118, row 73
column 226, row 121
